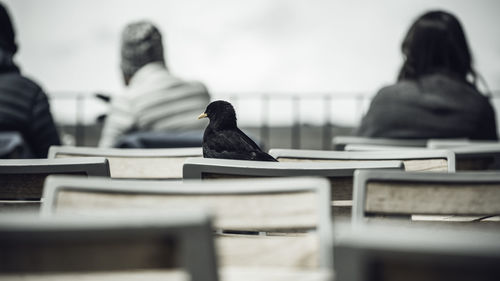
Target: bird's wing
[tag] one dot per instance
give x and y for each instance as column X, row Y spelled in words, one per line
column 230, row 140
column 233, row 144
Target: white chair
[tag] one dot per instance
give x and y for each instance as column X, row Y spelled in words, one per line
column 279, row 206
column 112, row 247
column 441, row 196
column 339, row 174
column 388, row 252
column 22, row 179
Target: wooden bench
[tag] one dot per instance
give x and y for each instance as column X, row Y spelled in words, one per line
column 294, row 212
column 414, row 160
column 449, row 196
column 22, row 180
column 120, row 245
column 339, row 174
column 164, row 163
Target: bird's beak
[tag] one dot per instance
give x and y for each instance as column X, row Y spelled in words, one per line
column 203, row 115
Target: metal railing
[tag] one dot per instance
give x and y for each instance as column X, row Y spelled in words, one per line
column 262, row 122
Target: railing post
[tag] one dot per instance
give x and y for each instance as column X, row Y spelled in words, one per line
column 296, row 122
column 327, row 128
column 264, row 126
column 79, row 128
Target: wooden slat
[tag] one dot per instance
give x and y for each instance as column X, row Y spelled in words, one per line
column 341, row 187
column 437, row 165
column 151, row 168
column 423, row 198
column 142, row 167
column 268, row 251
column 426, row 165
column 21, row 186
column 245, row 211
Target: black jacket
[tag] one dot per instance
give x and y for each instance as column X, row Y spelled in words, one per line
column 24, row 108
column 435, row 106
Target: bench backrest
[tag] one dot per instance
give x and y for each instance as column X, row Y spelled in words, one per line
column 30, row 246
column 414, row 160
column 392, row 193
column 24, row 178
column 389, row 253
column 164, row 163
column 280, row 205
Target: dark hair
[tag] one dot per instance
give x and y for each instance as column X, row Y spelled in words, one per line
column 7, row 35
column 436, row 43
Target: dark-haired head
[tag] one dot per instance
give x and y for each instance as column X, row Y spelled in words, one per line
column 436, row 43
column 7, row 35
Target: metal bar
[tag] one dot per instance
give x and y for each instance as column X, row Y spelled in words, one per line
column 264, row 127
column 79, row 128
column 327, row 127
column 296, row 122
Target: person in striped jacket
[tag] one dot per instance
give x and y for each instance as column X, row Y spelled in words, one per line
column 154, row 99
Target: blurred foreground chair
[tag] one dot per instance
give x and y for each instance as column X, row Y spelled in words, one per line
column 119, row 247
column 438, row 197
column 339, row 174
column 339, row 142
column 300, row 206
column 13, row 146
column 134, row 163
column 388, row 252
column 21, row 181
column 414, row 160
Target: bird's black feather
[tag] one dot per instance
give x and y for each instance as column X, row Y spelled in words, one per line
column 223, row 139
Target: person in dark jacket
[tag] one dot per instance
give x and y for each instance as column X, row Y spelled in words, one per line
column 23, row 104
column 436, row 94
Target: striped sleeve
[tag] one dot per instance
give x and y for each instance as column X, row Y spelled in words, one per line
column 120, row 120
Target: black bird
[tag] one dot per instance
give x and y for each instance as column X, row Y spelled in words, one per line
column 223, row 139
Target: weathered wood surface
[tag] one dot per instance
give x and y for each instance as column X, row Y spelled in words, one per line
column 427, row 165
column 142, row 167
column 341, row 187
column 21, row 186
column 243, row 211
column 298, row 251
column 412, row 198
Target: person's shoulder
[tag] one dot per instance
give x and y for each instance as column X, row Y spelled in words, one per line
column 196, row 85
column 192, row 85
column 21, row 83
column 395, row 90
